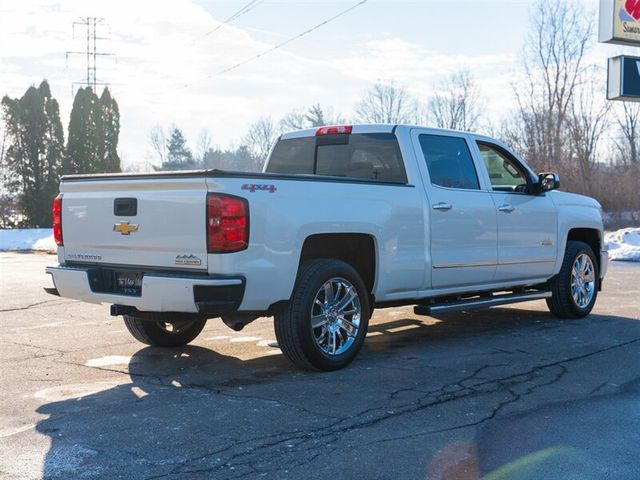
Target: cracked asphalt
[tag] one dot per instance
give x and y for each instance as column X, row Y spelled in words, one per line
column 508, row 393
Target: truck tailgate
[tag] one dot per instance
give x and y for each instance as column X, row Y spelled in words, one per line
column 147, row 221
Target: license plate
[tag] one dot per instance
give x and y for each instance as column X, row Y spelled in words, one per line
column 129, row 283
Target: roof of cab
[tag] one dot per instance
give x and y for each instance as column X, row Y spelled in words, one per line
column 369, row 128
column 357, row 128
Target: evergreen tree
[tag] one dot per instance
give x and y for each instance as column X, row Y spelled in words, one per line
column 84, row 125
column 94, row 128
column 315, row 116
column 34, row 155
column 108, row 133
column 179, row 157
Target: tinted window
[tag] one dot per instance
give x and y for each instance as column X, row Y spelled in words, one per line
column 292, row 156
column 449, row 162
column 371, row 156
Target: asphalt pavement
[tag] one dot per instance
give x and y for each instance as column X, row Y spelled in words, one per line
column 507, row 393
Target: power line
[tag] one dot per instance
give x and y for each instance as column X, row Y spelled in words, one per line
column 91, row 24
column 246, row 9
column 288, row 41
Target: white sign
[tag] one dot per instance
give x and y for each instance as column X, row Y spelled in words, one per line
column 620, row 22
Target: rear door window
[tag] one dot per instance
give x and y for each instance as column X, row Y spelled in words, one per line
column 370, row 156
column 449, row 162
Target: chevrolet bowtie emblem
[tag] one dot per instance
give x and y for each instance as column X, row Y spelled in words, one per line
column 125, row 228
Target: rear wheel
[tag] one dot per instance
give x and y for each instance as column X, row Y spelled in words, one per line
column 324, row 324
column 575, row 288
column 161, row 333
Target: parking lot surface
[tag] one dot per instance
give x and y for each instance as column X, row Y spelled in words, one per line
column 499, row 394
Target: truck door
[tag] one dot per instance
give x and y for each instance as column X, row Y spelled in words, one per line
column 527, row 221
column 462, row 216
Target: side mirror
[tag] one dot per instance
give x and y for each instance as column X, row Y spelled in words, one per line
column 548, row 181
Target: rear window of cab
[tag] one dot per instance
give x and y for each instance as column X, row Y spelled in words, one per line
column 367, row 156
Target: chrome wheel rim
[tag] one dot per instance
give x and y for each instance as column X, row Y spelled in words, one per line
column 335, row 316
column 583, row 280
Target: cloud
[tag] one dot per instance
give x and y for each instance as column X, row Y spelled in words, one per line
column 419, row 70
column 165, row 73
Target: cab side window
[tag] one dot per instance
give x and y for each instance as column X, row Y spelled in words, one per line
column 505, row 174
column 449, row 162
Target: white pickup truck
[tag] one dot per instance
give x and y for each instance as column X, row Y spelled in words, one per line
column 342, row 220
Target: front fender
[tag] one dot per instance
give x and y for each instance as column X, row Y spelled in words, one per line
column 577, row 212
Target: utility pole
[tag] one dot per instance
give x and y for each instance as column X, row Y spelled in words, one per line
column 91, row 26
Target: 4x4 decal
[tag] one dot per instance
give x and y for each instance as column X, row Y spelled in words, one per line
column 253, row 187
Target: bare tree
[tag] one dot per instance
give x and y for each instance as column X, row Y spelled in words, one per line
column 205, row 143
column 457, row 103
column 158, row 142
column 588, row 122
column 294, row 120
column 314, row 116
column 628, row 120
column 386, row 103
column 554, row 56
column 259, row 139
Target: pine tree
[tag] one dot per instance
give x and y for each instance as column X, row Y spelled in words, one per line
column 179, row 157
column 108, row 132
column 34, row 156
column 315, row 116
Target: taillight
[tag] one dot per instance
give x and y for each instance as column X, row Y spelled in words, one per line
column 57, row 219
column 334, row 130
column 227, row 223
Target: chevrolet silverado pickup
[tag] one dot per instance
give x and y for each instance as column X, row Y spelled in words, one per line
column 342, row 220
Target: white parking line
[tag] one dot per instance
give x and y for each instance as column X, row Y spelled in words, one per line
column 9, row 433
column 245, row 339
column 108, row 361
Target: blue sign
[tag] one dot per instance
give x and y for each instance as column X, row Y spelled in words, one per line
column 624, row 78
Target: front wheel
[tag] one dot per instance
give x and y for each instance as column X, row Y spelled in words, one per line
column 161, row 333
column 575, row 288
column 325, row 322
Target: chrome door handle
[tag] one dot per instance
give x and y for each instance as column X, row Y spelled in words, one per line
column 506, row 208
column 441, row 206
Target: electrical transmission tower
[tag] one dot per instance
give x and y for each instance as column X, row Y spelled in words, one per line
column 91, row 25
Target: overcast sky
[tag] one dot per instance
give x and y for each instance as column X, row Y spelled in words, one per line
column 168, row 69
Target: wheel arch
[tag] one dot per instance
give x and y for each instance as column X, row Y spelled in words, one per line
column 590, row 236
column 356, row 249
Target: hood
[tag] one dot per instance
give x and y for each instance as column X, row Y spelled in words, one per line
column 573, row 199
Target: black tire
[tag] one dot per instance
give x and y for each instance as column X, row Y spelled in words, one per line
column 161, row 333
column 299, row 340
column 562, row 304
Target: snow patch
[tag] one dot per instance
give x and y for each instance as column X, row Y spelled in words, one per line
column 624, row 244
column 40, row 239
